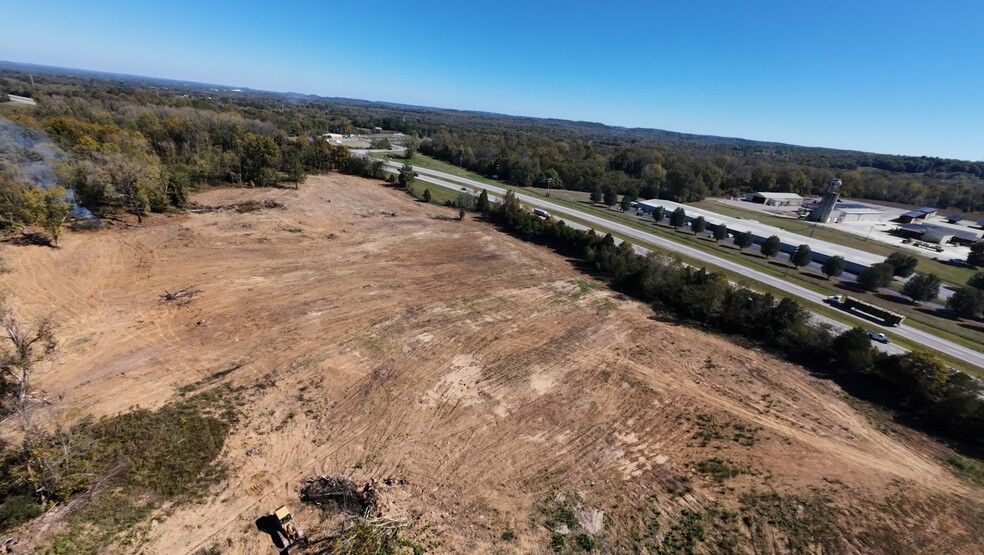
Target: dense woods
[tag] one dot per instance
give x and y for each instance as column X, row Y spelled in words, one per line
column 141, row 145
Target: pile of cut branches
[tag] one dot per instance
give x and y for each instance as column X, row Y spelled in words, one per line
column 340, row 494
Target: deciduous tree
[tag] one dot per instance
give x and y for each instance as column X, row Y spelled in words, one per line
column 744, row 239
column 26, row 345
column 411, row 144
column 875, row 277
column 698, row 225
column 658, row 214
column 922, row 287
column 903, row 265
column 678, row 218
column 770, row 247
column 976, row 256
column 967, row 302
column 833, row 266
column 802, row 256
column 610, row 197
column 720, row 232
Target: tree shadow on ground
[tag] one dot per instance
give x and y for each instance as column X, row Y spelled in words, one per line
column 809, row 274
column 972, row 326
column 30, row 238
column 894, row 299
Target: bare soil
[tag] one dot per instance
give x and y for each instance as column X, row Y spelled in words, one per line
column 487, row 378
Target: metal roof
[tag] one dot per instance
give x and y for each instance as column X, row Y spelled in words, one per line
column 926, row 210
column 914, row 214
column 781, row 196
column 859, row 211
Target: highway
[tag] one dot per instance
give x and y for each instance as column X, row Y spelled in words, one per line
column 928, row 340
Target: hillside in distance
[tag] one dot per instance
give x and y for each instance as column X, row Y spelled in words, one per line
column 429, row 119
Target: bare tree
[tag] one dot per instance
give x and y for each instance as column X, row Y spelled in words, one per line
column 28, row 345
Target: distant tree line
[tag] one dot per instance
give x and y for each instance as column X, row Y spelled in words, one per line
column 919, row 385
column 198, row 135
column 531, row 159
column 133, row 153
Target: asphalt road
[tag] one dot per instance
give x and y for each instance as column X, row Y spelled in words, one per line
column 923, row 338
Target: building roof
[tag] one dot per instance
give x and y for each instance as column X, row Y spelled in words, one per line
column 780, row 196
column 926, row 210
column 938, row 233
column 859, row 210
column 914, row 214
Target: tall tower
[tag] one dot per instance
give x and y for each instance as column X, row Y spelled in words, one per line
column 827, row 202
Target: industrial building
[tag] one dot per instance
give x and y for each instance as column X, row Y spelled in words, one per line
column 855, row 260
column 940, row 234
column 775, row 199
column 918, row 214
column 855, row 213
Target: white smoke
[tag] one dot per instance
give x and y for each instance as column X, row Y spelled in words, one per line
column 30, row 156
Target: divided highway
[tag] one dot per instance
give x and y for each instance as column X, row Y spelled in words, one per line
column 928, row 340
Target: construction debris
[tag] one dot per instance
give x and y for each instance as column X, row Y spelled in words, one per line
column 340, row 494
column 180, row 298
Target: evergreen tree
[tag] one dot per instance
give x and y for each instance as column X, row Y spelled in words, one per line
column 482, row 205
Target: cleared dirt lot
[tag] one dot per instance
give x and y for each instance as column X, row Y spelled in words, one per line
column 488, row 378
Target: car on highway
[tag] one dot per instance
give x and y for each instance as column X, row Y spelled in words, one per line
column 879, row 337
column 833, row 299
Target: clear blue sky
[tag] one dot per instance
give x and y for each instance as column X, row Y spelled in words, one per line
column 899, row 77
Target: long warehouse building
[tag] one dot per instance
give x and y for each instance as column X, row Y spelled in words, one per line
column 854, row 260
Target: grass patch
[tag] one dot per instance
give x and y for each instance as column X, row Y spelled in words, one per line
column 805, row 522
column 719, row 469
column 123, row 467
column 559, row 517
column 710, row 430
column 969, row 470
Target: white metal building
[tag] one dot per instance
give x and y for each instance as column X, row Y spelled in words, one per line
column 775, row 199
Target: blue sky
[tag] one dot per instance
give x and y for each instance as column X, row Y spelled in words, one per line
column 898, row 77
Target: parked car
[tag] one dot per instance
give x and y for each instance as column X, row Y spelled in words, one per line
column 879, row 337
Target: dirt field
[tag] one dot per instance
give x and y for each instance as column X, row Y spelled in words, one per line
column 489, row 379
